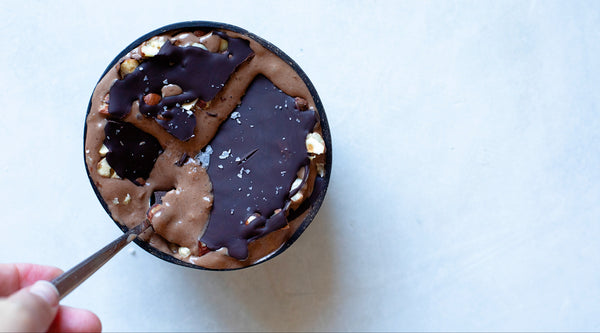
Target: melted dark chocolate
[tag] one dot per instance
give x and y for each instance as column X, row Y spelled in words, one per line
column 256, row 154
column 200, row 74
column 178, row 122
column 131, row 151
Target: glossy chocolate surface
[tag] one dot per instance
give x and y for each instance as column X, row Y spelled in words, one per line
column 257, row 153
column 131, row 151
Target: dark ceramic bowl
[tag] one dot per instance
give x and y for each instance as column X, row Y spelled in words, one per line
column 311, row 205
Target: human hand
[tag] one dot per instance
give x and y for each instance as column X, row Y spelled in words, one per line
column 30, row 306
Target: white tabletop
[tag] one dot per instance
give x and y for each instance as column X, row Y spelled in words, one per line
column 466, row 174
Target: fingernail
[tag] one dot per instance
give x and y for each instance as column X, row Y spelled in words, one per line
column 46, row 290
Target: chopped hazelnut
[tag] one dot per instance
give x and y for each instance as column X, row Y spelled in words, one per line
column 151, row 47
column 296, row 184
column 315, row 143
column 223, row 45
column 103, row 108
column 184, row 252
column 297, row 198
column 104, row 168
column 128, row 66
column 127, row 199
column 190, row 105
column 103, row 151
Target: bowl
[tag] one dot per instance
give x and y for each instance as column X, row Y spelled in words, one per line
column 309, row 207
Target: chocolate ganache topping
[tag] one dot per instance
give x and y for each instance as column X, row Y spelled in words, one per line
column 200, row 74
column 213, row 138
column 131, row 151
column 256, row 155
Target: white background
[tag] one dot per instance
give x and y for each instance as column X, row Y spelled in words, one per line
column 466, row 174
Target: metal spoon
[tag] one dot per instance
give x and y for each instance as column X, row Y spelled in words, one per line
column 72, row 278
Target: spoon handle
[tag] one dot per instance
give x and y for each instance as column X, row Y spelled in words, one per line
column 72, row 278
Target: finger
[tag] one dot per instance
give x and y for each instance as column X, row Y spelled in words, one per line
column 17, row 276
column 9, row 275
column 31, row 309
column 29, row 273
column 71, row 319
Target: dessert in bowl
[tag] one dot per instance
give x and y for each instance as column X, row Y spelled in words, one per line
column 214, row 135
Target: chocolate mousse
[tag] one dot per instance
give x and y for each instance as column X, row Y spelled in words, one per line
column 212, row 136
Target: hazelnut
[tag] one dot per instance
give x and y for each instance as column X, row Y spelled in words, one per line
column 103, row 109
column 128, row 66
column 103, row 151
column 152, row 99
column 184, row 252
column 151, row 47
column 315, row 143
column 223, row 45
column 296, row 184
column 171, row 90
column 104, row 168
column 127, row 199
column 297, row 198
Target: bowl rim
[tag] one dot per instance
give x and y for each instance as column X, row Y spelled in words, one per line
column 317, row 200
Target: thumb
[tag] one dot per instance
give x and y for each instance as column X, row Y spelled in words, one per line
column 30, row 309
